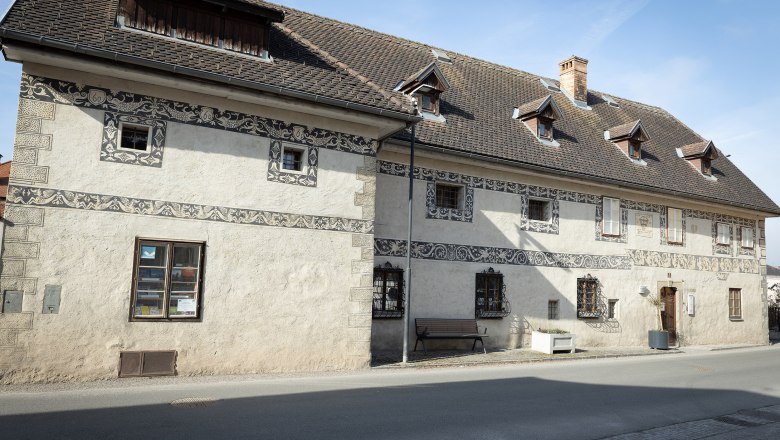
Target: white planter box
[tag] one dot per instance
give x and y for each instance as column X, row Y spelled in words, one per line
column 551, row 342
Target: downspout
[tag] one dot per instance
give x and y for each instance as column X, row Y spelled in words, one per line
column 408, row 273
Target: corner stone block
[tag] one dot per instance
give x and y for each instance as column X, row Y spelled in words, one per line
column 18, row 321
column 16, row 233
column 29, row 173
column 36, row 109
column 31, row 140
column 27, row 285
column 360, row 320
column 362, row 240
column 21, row 250
column 361, row 294
column 361, row 266
column 12, row 268
column 367, row 253
column 359, row 348
column 28, row 125
column 367, row 280
column 23, row 215
column 11, row 356
column 25, row 156
column 7, row 338
column 359, row 334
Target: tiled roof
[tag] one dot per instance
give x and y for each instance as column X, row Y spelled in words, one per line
column 622, row 130
column 297, row 65
column 695, row 149
column 478, row 108
column 317, row 55
column 534, row 106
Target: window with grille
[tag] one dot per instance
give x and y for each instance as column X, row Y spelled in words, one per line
column 746, row 237
column 611, row 216
column 674, row 228
column 448, row 196
column 134, row 137
column 388, row 292
column 292, row 160
column 539, row 210
column 199, row 22
column 552, row 309
column 735, row 303
column 490, row 301
column 587, row 297
column 167, row 280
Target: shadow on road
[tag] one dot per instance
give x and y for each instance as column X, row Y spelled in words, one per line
column 491, row 409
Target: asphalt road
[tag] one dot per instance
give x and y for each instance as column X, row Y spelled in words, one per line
column 585, row 399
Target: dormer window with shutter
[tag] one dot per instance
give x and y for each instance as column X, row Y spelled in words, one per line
column 426, row 86
column 225, row 25
column 539, row 116
column 700, row 155
column 629, row 138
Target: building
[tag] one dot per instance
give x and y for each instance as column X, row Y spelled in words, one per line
column 223, row 185
column 5, row 171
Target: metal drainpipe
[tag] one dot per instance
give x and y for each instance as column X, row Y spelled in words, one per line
column 408, row 280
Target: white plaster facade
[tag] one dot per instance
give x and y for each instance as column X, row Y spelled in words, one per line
column 443, row 277
column 287, row 268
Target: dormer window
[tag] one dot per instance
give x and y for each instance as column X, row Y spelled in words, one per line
column 539, row 116
column 700, row 155
column 238, row 27
column 629, row 138
column 426, row 86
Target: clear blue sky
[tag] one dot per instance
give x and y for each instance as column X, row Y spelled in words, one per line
column 712, row 63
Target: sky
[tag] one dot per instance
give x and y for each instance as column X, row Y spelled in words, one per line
column 711, row 63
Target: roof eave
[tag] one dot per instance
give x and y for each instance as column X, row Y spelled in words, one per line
column 203, row 75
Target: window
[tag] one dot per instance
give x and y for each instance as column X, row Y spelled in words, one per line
column 587, row 297
column 724, row 233
column 388, row 292
column 134, row 137
column 167, row 281
column 552, row 309
column 448, row 196
column 544, row 128
column 205, row 24
column 634, row 149
column 735, row 303
column 539, row 210
column 747, row 237
column 674, row 230
column 292, row 160
column 428, row 102
column 612, row 309
column 706, row 166
column 611, row 219
column 490, row 301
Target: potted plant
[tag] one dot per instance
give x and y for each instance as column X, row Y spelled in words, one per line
column 657, row 339
column 551, row 340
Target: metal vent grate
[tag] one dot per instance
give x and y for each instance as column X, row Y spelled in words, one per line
column 147, row 363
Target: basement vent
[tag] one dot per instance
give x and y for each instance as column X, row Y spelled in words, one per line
column 611, row 102
column 549, row 85
column 147, row 363
column 442, row 56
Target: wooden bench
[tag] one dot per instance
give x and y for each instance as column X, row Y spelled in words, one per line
column 428, row 328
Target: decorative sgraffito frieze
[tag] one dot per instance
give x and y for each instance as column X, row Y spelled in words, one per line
column 722, row 248
column 692, row 262
column 63, row 92
column 58, row 198
column 384, row 247
column 546, row 227
column 747, row 251
column 110, row 150
column 276, row 173
column 435, row 212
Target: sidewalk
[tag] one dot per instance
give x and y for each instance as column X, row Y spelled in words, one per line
column 452, row 358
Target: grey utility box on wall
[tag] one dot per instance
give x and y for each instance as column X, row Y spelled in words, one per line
column 12, row 301
column 51, row 299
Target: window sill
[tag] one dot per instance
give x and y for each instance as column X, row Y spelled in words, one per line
column 736, row 319
column 193, row 319
column 378, row 314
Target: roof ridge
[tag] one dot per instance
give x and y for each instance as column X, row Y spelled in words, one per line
column 390, row 96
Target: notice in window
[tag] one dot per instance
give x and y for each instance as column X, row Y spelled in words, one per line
column 148, row 252
column 644, row 225
column 186, row 306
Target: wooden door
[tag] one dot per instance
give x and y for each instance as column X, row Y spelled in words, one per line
column 669, row 312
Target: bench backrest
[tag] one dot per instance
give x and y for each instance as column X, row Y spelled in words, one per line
column 454, row 326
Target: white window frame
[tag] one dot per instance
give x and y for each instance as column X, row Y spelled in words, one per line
column 304, row 159
column 746, row 238
column 610, row 219
column 674, row 231
column 724, row 233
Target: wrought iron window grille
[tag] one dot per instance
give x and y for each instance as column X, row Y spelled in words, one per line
column 588, row 293
column 490, row 296
column 389, row 292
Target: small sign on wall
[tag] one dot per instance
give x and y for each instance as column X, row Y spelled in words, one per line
column 644, row 225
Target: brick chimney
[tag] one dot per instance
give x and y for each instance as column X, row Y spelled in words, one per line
column 574, row 77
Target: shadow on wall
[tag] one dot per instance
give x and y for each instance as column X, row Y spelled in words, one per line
column 518, row 408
